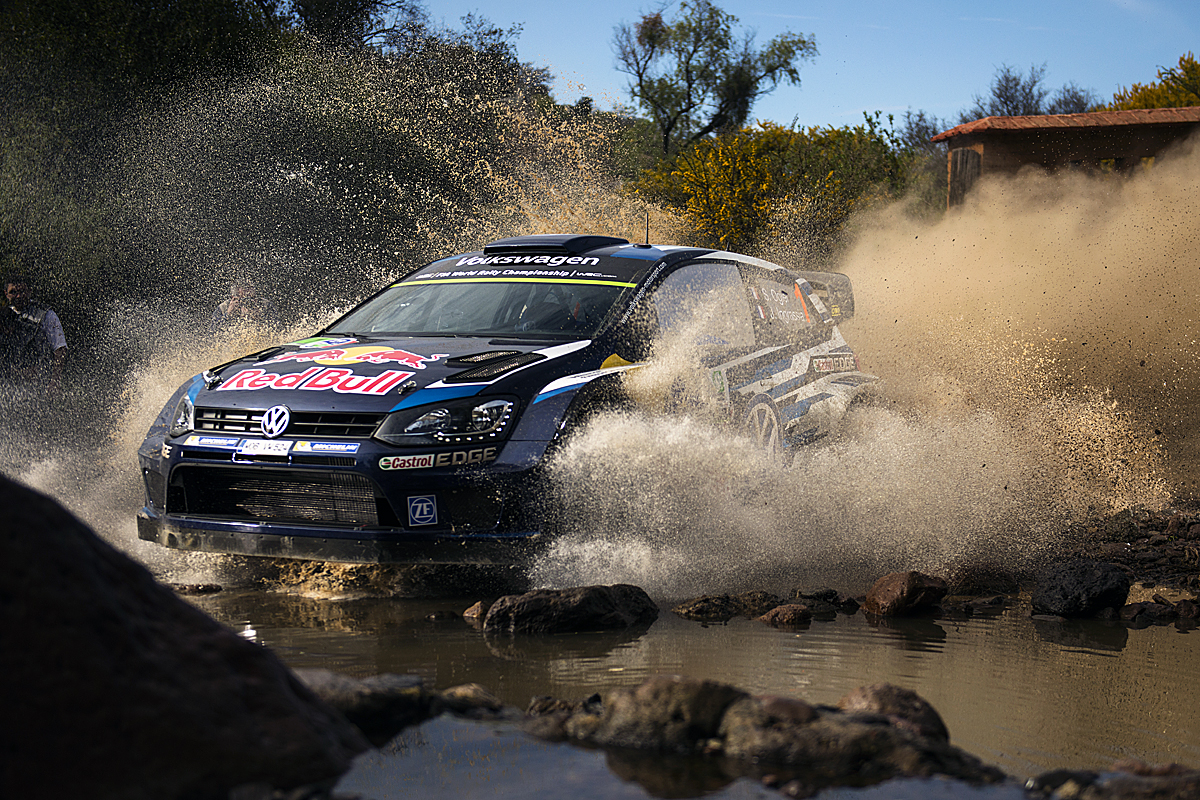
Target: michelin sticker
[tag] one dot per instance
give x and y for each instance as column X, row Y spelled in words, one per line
column 211, row 441
column 325, row 447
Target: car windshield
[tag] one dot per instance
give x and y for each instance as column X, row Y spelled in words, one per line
column 491, row 307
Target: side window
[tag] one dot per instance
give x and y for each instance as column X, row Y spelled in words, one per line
column 783, row 303
column 708, row 302
column 784, row 309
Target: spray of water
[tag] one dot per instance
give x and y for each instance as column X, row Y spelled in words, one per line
column 1038, row 347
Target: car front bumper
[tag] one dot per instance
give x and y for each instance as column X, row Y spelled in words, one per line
column 272, row 540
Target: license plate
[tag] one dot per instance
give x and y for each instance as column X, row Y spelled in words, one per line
column 263, row 447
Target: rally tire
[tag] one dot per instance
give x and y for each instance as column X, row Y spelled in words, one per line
column 765, row 428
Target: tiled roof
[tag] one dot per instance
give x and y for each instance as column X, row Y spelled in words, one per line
column 1095, row 119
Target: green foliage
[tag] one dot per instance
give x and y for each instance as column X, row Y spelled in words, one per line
column 738, row 188
column 319, row 171
column 694, row 76
column 1176, row 87
column 115, row 48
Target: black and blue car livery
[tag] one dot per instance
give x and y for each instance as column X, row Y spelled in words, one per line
column 414, row 429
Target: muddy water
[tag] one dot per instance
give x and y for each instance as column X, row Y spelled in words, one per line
column 1025, row 695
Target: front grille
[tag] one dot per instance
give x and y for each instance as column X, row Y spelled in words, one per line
column 309, row 496
column 314, row 424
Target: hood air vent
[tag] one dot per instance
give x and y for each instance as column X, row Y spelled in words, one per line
column 494, row 369
column 483, row 358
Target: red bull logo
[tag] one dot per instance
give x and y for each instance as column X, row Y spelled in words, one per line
column 358, row 355
column 316, row 379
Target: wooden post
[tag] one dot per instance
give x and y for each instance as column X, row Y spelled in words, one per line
column 963, row 165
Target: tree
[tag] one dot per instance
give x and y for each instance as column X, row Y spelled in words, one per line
column 694, row 77
column 730, row 188
column 1014, row 94
column 356, row 23
column 1176, row 87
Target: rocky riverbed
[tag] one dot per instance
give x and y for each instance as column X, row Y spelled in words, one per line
column 148, row 697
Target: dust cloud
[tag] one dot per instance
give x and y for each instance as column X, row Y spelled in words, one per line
column 1038, row 350
column 1038, row 353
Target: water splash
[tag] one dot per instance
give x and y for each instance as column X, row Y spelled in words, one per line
column 1039, row 347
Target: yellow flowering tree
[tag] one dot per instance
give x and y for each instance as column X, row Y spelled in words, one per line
column 730, row 188
column 1176, row 87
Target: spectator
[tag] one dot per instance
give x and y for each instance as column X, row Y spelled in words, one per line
column 33, row 343
column 244, row 305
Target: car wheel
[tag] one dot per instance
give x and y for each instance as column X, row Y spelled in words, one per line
column 766, row 429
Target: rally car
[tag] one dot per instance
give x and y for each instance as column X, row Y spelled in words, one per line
column 415, row 428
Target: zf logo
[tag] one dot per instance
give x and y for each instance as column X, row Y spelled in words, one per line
column 422, row 510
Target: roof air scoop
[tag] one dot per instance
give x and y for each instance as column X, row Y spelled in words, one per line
column 557, row 243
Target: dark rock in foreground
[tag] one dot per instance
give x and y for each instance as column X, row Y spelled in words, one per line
column 886, row 732
column 380, row 705
column 588, row 608
column 902, row 593
column 117, row 688
column 1080, row 588
column 902, row 707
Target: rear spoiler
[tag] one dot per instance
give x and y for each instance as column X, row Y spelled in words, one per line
column 834, row 290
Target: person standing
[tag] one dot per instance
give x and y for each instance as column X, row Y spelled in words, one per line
column 244, row 305
column 32, row 340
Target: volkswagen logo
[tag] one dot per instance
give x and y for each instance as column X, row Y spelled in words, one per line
column 275, row 421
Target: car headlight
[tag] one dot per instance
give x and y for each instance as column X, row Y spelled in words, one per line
column 471, row 419
column 182, row 418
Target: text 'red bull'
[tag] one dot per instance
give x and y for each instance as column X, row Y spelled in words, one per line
column 316, row 379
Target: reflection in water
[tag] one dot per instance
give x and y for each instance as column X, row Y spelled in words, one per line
column 1025, row 695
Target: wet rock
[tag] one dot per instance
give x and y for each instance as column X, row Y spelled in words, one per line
column 542, row 705
column 475, row 614
column 883, row 736
column 789, row 615
column 472, row 701
column 837, row 749
column 904, row 593
column 1149, row 613
column 1080, row 588
column 826, row 603
column 987, row 605
column 665, row 712
column 903, row 707
column 143, row 694
column 380, row 705
column 589, row 608
column 724, row 607
column 192, row 589
column 1128, row 780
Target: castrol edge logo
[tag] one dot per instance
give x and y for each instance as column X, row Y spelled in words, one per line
column 428, row 460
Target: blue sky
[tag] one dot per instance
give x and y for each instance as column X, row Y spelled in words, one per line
column 873, row 55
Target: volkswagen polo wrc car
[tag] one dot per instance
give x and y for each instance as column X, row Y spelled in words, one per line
column 416, row 427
